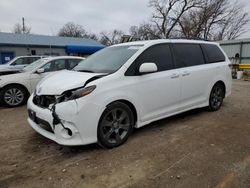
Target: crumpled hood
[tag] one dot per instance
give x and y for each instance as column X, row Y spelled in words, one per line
column 56, row 84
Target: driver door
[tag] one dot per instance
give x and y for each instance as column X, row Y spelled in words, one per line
column 49, row 68
column 158, row 93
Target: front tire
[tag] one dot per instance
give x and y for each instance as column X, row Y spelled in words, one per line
column 13, row 96
column 115, row 125
column 216, row 97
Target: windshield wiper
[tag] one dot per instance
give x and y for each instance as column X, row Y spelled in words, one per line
column 86, row 71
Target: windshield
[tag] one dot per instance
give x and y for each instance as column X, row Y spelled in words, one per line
column 34, row 65
column 12, row 61
column 107, row 60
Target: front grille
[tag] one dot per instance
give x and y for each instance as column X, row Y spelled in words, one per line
column 44, row 101
column 42, row 123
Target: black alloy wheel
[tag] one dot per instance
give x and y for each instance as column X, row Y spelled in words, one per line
column 115, row 125
column 216, row 97
column 13, row 96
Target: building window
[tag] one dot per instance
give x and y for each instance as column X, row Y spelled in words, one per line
column 33, row 52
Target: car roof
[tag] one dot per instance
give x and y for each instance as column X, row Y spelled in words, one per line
column 62, row 57
column 159, row 41
column 30, row 56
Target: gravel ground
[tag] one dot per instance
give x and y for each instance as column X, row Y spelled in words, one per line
column 194, row 149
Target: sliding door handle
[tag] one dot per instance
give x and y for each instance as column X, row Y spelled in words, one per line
column 175, row 75
column 185, row 73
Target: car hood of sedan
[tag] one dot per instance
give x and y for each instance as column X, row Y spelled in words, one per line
column 5, row 67
column 56, row 84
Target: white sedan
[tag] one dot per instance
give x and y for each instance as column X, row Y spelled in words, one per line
column 18, row 63
column 16, row 88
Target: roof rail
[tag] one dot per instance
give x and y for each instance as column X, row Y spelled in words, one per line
column 128, row 38
column 190, row 38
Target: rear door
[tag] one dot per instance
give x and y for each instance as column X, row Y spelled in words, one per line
column 20, row 63
column 195, row 74
column 158, row 93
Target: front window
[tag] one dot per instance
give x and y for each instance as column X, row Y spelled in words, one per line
column 20, row 61
column 55, row 65
column 108, row 60
column 34, row 65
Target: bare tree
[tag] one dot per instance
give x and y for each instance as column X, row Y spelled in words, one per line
column 19, row 29
column 215, row 19
column 234, row 24
column 112, row 37
column 71, row 29
column 145, row 31
column 167, row 14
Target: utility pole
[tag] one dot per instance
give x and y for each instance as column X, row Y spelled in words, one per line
column 23, row 26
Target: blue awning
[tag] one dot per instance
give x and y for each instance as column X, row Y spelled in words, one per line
column 83, row 49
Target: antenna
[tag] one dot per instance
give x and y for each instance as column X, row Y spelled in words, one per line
column 23, row 25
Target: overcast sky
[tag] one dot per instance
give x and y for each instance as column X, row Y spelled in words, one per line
column 48, row 16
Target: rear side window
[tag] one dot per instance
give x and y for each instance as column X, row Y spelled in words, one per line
column 187, row 55
column 158, row 54
column 32, row 59
column 72, row 63
column 213, row 54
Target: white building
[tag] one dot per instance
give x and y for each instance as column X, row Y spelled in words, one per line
column 12, row 45
column 237, row 48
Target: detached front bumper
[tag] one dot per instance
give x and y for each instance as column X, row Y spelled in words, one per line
column 71, row 118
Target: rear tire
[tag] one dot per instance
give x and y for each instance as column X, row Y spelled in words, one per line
column 13, row 96
column 216, row 97
column 115, row 125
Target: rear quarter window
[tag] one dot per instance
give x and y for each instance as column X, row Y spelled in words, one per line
column 213, row 54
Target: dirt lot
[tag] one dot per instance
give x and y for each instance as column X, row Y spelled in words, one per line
column 194, row 149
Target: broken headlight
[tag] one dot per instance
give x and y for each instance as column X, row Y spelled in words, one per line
column 81, row 92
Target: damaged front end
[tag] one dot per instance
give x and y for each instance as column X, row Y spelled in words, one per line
column 63, row 107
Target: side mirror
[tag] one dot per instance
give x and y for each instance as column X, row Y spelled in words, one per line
column 40, row 71
column 148, row 68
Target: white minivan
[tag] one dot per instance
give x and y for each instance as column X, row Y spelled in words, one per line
column 127, row 86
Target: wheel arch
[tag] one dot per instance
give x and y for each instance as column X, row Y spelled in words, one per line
column 16, row 84
column 223, row 85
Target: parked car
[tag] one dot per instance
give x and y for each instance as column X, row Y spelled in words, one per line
column 127, row 86
column 16, row 88
column 17, row 64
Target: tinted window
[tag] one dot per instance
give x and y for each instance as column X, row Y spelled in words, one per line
column 72, row 63
column 212, row 53
column 187, row 55
column 158, row 54
column 32, row 59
